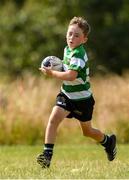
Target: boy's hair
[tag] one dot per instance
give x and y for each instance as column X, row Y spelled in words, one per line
column 82, row 23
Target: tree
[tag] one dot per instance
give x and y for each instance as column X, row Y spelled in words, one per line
column 31, row 30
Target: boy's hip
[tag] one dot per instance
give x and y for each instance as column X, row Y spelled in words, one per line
column 81, row 109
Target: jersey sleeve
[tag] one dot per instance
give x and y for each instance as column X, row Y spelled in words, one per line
column 76, row 64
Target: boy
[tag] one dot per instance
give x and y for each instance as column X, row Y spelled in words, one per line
column 75, row 98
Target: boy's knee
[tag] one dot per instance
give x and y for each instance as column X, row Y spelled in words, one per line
column 52, row 121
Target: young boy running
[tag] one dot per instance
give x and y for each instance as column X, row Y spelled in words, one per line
column 75, row 98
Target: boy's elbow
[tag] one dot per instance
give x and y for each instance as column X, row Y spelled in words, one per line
column 72, row 78
column 72, row 75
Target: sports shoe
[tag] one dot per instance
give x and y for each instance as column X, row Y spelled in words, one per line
column 111, row 148
column 44, row 159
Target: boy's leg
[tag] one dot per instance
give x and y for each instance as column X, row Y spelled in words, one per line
column 109, row 142
column 56, row 117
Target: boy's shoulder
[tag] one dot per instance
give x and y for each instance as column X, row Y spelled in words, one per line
column 78, row 50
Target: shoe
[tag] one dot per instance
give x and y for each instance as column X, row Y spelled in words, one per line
column 44, row 159
column 111, row 148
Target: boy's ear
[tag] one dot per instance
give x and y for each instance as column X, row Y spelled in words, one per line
column 85, row 39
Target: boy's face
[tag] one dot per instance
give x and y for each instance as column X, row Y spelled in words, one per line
column 75, row 36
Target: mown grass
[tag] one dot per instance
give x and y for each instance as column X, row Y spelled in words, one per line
column 69, row 162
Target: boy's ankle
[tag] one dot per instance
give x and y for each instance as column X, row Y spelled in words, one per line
column 48, row 147
column 105, row 141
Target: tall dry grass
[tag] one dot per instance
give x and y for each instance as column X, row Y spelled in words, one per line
column 112, row 99
column 112, row 104
column 25, row 105
column 24, row 108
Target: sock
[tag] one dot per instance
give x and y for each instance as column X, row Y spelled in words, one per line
column 105, row 141
column 48, row 148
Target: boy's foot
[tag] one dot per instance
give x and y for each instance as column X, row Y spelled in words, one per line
column 111, row 148
column 44, row 159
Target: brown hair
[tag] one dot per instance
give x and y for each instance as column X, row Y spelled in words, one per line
column 82, row 23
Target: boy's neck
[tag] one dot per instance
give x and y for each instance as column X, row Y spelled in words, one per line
column 75, row 47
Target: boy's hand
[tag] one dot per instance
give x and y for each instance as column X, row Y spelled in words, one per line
column 69, row 75
column 46, row 71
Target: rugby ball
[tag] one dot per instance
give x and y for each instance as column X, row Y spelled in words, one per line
column 53, row 62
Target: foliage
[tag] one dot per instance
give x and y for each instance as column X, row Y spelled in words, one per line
column 31, row 30
column 26, row 37
column 110, row 32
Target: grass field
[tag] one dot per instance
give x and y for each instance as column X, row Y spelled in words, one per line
column 69, row 162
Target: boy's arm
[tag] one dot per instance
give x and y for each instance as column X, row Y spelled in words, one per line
column 69, row 75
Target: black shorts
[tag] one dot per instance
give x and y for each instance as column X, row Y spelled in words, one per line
column 81, row 110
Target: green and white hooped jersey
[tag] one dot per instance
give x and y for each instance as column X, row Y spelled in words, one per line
column 77, row 60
